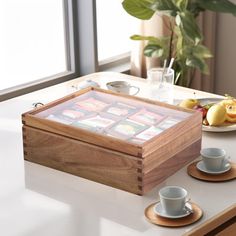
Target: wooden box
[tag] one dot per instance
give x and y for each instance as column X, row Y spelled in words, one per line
column 122, row 141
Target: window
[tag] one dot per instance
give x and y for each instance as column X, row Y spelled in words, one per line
column 114, row 28
column 47, row 42
column 38, row 37
column 36, row 44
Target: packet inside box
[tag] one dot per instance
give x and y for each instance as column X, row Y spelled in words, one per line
column 118, row 117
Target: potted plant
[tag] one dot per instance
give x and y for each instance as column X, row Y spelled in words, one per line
column 185, row 41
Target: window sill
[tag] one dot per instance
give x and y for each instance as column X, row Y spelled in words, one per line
column 119, row 63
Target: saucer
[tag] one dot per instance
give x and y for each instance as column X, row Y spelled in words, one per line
column 201, row 167
column 185, row 212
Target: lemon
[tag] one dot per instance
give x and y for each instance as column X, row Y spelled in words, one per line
column 231, row 110
column 227, row 102
column 230, row 119
column 216, row 115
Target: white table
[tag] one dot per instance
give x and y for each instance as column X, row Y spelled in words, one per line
column 35, row 200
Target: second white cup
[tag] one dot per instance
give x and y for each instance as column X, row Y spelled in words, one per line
column 214, row 158
column 173, row 199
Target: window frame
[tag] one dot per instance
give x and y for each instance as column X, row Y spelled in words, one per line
column 81, row 50
column 117, row 63
column 76, row 13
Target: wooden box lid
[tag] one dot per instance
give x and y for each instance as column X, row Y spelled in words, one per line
column 124, row 123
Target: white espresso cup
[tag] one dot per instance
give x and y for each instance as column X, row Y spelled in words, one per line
column 122, row 87
column 173, row 199
column 214, row 158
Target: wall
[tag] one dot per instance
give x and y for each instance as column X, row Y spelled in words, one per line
column 226, row 55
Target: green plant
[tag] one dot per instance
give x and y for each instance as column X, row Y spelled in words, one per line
column 185, row 41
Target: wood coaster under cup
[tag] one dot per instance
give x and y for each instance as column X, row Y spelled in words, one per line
column 229, row 175
column 162, row 221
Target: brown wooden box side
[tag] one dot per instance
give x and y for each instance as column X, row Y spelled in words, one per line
column 170, row 166
column 173, row 133
column 81, row 159
column 83, row 135
column 171, row 148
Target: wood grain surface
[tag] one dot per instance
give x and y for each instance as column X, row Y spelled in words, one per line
column 170, row 146
column 169, row 167
column 83, row 135
column 191, row 127
column 88, row 161
column 158, row 220
column 222, row 224
column 194, row 172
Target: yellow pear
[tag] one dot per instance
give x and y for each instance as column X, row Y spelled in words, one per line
column 216, row 115
column 189, row 103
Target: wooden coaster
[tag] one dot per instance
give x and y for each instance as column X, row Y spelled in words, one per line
column 162, row 221
column 194, row 172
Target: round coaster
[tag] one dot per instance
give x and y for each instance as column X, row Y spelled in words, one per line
column 229, row 175
column 158, row 220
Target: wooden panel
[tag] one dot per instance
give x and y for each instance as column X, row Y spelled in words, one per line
column 223, row 224
column 169, row 167
column 187, row 126
column 230, row 230
column 83, row 135
column 171, row 147
column 81, row 159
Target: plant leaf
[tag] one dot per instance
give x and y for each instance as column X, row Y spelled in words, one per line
column 199, row 51
column 179, row 41
column 153, row 50
column 140, row 37
column 151, row 39
column 186, row 22
column 167, row 7
column 140, row 9
column 198, row 63
column 181, row 4
column 194, row 7
column 218, row 6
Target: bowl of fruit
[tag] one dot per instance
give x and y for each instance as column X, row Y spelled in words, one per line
column 218, row 114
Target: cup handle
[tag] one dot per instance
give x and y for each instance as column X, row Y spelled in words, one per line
column 226, row 160
column 187, row 208
column 137, row 90
column 188, row 200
